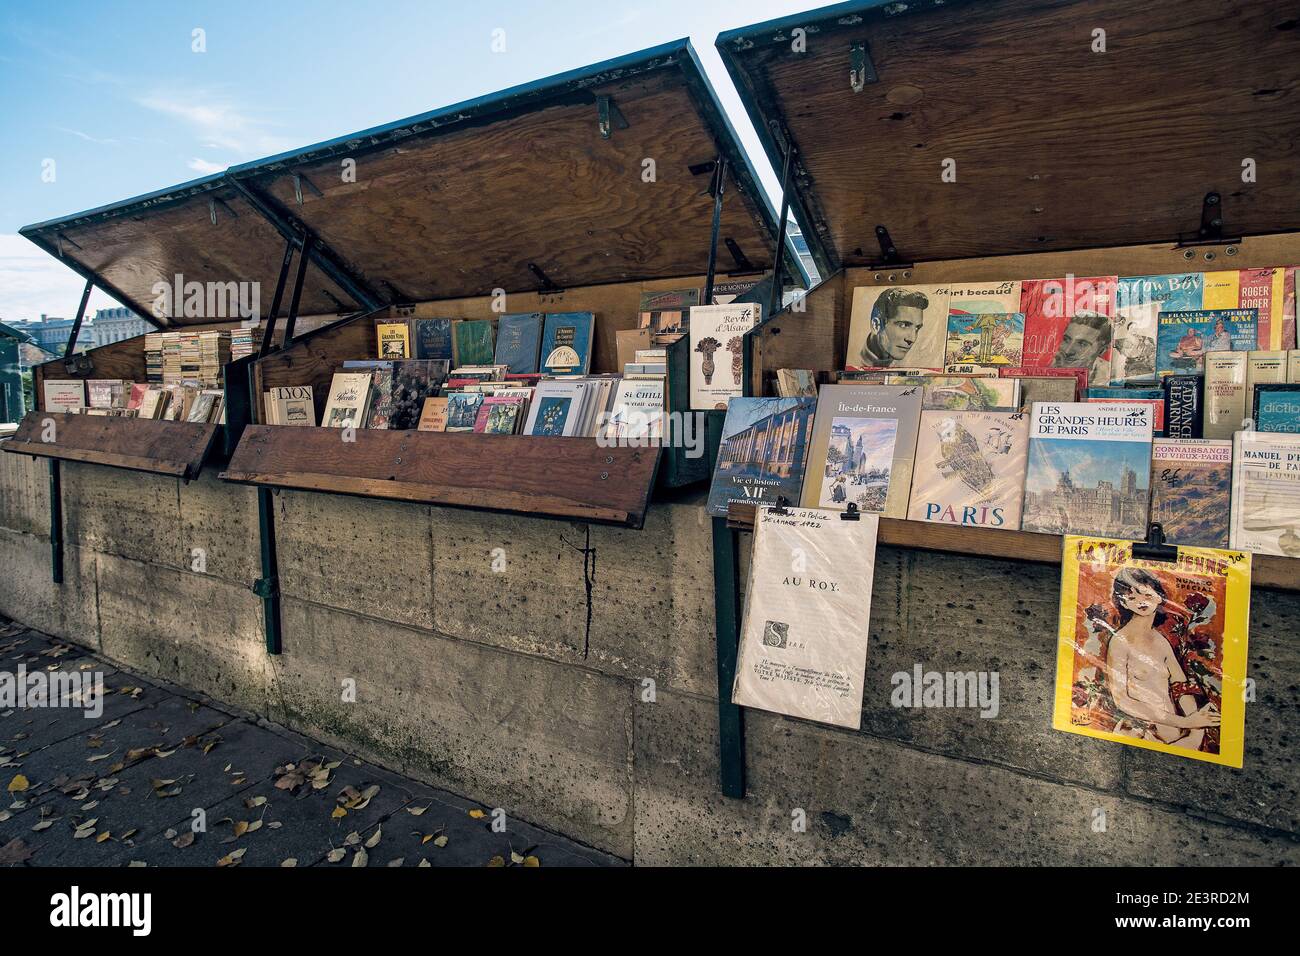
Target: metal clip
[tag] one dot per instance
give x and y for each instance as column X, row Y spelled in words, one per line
column 780, row 507
column 1155, row 549
column 861, row 70
column 851, row 513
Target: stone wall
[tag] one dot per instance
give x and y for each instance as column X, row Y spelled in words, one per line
column 522, row 687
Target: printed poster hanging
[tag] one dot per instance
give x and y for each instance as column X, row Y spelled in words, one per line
column 803, row 641
column 1152, row 653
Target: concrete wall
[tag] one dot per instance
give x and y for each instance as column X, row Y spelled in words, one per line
column 522, row 687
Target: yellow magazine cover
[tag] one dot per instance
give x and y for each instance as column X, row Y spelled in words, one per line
column 1153, row 653
column 394, row 340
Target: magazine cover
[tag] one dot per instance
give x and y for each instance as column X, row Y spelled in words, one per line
column 803, row 637
column 1183, row 337
column 762, row 453
column 1153, row 653
column 1068, row 324
column 1191, row 490
column 864, row 443
column 970, row 468
column 1089, row 465
column 1261, row 289
column 953, row 392
column 717, row 351
column 898, row 325
column 985, row 338
column 1266, row 493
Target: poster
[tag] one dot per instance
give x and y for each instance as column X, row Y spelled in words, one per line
column 1153, row 653
column 803, row 639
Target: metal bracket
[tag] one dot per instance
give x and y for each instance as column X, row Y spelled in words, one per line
column 889, row 257
column 861, row 70
column 79, row 364
column 60, row 239
column 738, row 256
column 1211, row 231
column 212, row 209
column 266, row 588
column 299, row 180
column 546, row 284
column 611, row 117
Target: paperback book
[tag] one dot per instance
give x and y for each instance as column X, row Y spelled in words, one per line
column 394, row 340
column 431, row 339
column 970, row 468
column 863, row 447
column 433, row 417
column 717, row 351
column 1263, row 290
column 413, row 381
column 1183, row 337
column 1088, row 471
column 898, row 325
column 1191, row 490
column 349, row 400
column 1184, row 405
column 566, row 343
column 462, row 410
column 1225, row 393
column 473, row 342
column 1266, row 493
column 519, row 339
column 1277, row 407
column 64, row 395
column 762, row 453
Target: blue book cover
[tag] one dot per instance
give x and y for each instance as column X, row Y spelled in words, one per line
column 519, row 336
column 1277, row 407
column 1183, row 336
column 1175, row 291
column 763, row 451
column 431, row 338
column 566, row 343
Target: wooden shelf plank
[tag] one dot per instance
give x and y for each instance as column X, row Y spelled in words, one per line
column 1267, row 570
column 177, row 449
column 556, row 477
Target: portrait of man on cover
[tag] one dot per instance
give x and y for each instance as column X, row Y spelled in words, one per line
column 896, row 321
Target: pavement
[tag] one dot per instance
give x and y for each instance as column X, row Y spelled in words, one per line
column 168, row 777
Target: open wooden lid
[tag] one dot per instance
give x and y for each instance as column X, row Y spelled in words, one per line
column 1054, row 144
column 598, row 175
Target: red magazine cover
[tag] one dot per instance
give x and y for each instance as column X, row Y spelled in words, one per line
column 1068, row 324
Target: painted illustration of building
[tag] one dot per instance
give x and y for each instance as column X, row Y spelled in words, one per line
column 1103, row 509
column 773, row 446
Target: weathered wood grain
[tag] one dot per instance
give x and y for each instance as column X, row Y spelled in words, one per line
column 137, row 444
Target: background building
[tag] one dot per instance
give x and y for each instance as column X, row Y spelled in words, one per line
column 114, row 325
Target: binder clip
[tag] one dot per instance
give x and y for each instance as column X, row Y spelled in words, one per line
column 851, row 513
column 780, row 507
column 1154, row 548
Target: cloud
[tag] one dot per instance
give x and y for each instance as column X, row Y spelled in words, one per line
column 33, row 282
column 204, row 167
column 86, row 136
column 217, row 122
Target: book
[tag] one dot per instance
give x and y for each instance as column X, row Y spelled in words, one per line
column 985, row 338
column 202, row 407
column 796, row 383
column 498, row 415
column 290, row 405
column 898, row 325
column 1266, row 493
column 727, row 291
column 462, row 410
column 431, row 339
column 413, row 381
column 1184, row 405
column 1191, row 490
column 969, row 369
column 1046, row 388
column 665, row 315
column 717, row 351
column 433, row 417
column 970, row 468
column 1225, row 393
column 954, row 392
column 1260, row 289
column 519, row 338
column 1068, row 324
column 154, row 402
column 638, row 410
column 1151, row 397
column 762, row 453
column 1293, row 365
column 64, row 395
column 473, row 342
column 106, row 393
column 137, row 394
column 1133, row 345
column 349, row 400
column 566, row 343
column 1263, row 367
column 628, row 342
column 1089, row 468
column 803, row 636
column 1183, row 337
column 1152, row 653
column 381, row 395
column 557, row 408
column 1179, row 291
column 1277, row 407
column 979, row 297
column 864, row 443
column 394, row 340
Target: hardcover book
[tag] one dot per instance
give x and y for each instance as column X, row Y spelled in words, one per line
column 863, row 447
column 970, row 469
column 1089, row 465
column 898, row 325
column 519, row 339
column 413, row 381
column 349, row 400
column 803, row 637
column 762, row 453
column 1191, row 490
column 1068, row 324
column 717, row 351
column 433, row 417
column 985, row 338
column 472, row 342
column 1225, row 393
column 1183, row 337
column 1277, row 407
column 558, row 408
column 796, row 383
column 431, row 339
column 1184, row 406
column 64, row 395
column 394, row 340
column 1266, row 493
column 1260, row 289
column 566, row 343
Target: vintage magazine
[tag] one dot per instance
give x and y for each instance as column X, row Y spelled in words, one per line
column 717, row 351
column 1068, row 324
column 1152, row 653
column 1266, row 493
column 970, row 468
column 1191, row 490
column 762, row 452
column 803, row 639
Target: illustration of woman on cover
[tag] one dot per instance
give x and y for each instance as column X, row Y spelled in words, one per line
column 1147, row 661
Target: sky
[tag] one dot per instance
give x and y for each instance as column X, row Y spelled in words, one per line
column 113, row 98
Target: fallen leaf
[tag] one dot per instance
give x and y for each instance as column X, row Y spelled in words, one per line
column 335, row 855
column 516, row 858
column 440, row 841
column 241, row 827
column 417, row 811
column 129, row 833
column 338, row 812
column 18, row 784
column 255, row 825
column 102, row 837
column 361, row 858
column 374, row 840
column 398, row 862
column 352, row 839
column 15, row 851
column 184, row 840
column 254, row 802
column 137, row 863
column 424, row 863
column 291, row 862
column 44, row 825
column 497, row 861
column 532, row 861
column 477, row 814
column 233, row 857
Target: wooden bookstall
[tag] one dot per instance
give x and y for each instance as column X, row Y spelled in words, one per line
column 948, row 140
column 573, row 194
